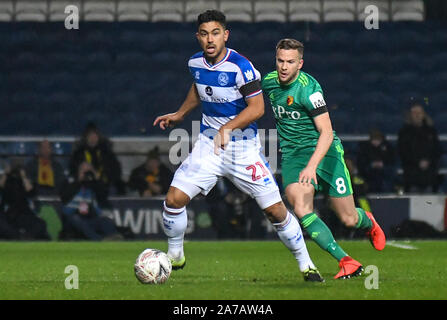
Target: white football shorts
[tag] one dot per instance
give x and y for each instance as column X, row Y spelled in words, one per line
column 241, row 162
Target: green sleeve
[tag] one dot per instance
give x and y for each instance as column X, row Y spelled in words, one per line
column 266, row 80
column 312, row 99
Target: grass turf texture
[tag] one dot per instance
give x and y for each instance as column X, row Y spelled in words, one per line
column 227, row 270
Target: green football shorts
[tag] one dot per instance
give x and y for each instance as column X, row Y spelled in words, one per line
column 332, row 174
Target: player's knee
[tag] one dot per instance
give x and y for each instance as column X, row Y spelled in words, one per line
column 175, row 200
column 276, row 213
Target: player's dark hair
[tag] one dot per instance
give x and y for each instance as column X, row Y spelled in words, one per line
column 290, row 44
column 212, row 15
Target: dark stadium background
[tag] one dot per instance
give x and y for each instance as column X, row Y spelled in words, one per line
column 127, row 63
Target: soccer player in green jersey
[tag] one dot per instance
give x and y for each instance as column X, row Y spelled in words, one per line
column 312, row 155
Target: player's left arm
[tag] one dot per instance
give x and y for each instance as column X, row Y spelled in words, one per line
column 324, row 127
column 252, row 112
column 248, row 82
column 313, row 101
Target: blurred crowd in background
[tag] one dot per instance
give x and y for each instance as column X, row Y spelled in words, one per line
column 94, row 173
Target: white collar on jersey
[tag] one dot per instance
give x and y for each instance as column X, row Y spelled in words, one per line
column 214, row 66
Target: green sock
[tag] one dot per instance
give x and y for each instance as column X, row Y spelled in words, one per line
column 321, row 234
column 364, row 222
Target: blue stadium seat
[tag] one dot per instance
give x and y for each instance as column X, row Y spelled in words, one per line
column 314, row 63
column 338, row 40
column 90, row 101
column 106, row 69
column 99, row 60
column 439, row 61
column 438, row 103
column 26, row 101
column 402, row 80
column 264, row 61
column 22, row 81
column 337, row 81
column 341, row 98
column 62, row 148
column 20, row 148
column 27, row 61
column 123, row 101
column 341, row 120
column 132, row 61
column 66, row 61
column 61, row 101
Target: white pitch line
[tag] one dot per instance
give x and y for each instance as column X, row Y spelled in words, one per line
column 401, row 246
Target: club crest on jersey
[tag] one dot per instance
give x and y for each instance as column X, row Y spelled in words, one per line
column 223, row 79
column 209, row 91
column 289, row 100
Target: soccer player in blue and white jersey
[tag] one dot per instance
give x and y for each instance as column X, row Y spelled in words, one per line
column 228, row 87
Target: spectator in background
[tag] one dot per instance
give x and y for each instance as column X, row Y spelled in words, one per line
column 83, row 197
column 229, row 209
column 97, row 150
column 152, row 178
column 419, row 151
column 46, row 173
column 359, row 185
column 375, row 160
column 18, row 219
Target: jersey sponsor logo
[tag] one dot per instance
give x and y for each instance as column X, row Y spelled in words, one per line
column 223, row 79
column 214, row 99
column 317, row 100
column 281, row 112
column 249, row 75
column 209, row 91
column 289, row 100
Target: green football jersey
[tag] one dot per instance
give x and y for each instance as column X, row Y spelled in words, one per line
column 294, row 106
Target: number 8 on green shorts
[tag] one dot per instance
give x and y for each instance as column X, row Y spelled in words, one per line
column 332, row 174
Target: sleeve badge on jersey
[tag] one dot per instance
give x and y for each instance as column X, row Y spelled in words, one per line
column 289, row 100
column 317, row 100
column 249, row 75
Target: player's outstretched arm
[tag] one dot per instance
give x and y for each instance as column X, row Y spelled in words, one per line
column 324, row 127
column 171, row 119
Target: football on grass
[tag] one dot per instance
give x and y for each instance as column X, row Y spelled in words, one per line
column 152, row 267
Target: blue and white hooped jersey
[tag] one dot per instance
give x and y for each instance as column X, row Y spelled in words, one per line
column 223, row 88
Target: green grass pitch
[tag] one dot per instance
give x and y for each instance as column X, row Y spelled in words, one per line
column 218, row 270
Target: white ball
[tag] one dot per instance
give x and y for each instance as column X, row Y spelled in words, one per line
column 152, row 267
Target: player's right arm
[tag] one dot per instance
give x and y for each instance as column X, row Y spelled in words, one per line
column 171, row 119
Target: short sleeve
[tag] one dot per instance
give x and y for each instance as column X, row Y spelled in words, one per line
column 313, row 100
column 248, row 79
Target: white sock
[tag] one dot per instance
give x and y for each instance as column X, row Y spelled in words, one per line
column 289, row 231
column 174, row 226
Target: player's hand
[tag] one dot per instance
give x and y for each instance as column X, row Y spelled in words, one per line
column 221, row 139
column 307, row 175
column 168, row 120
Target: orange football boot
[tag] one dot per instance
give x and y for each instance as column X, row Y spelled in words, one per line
column 349, row 268
column 376, row 234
